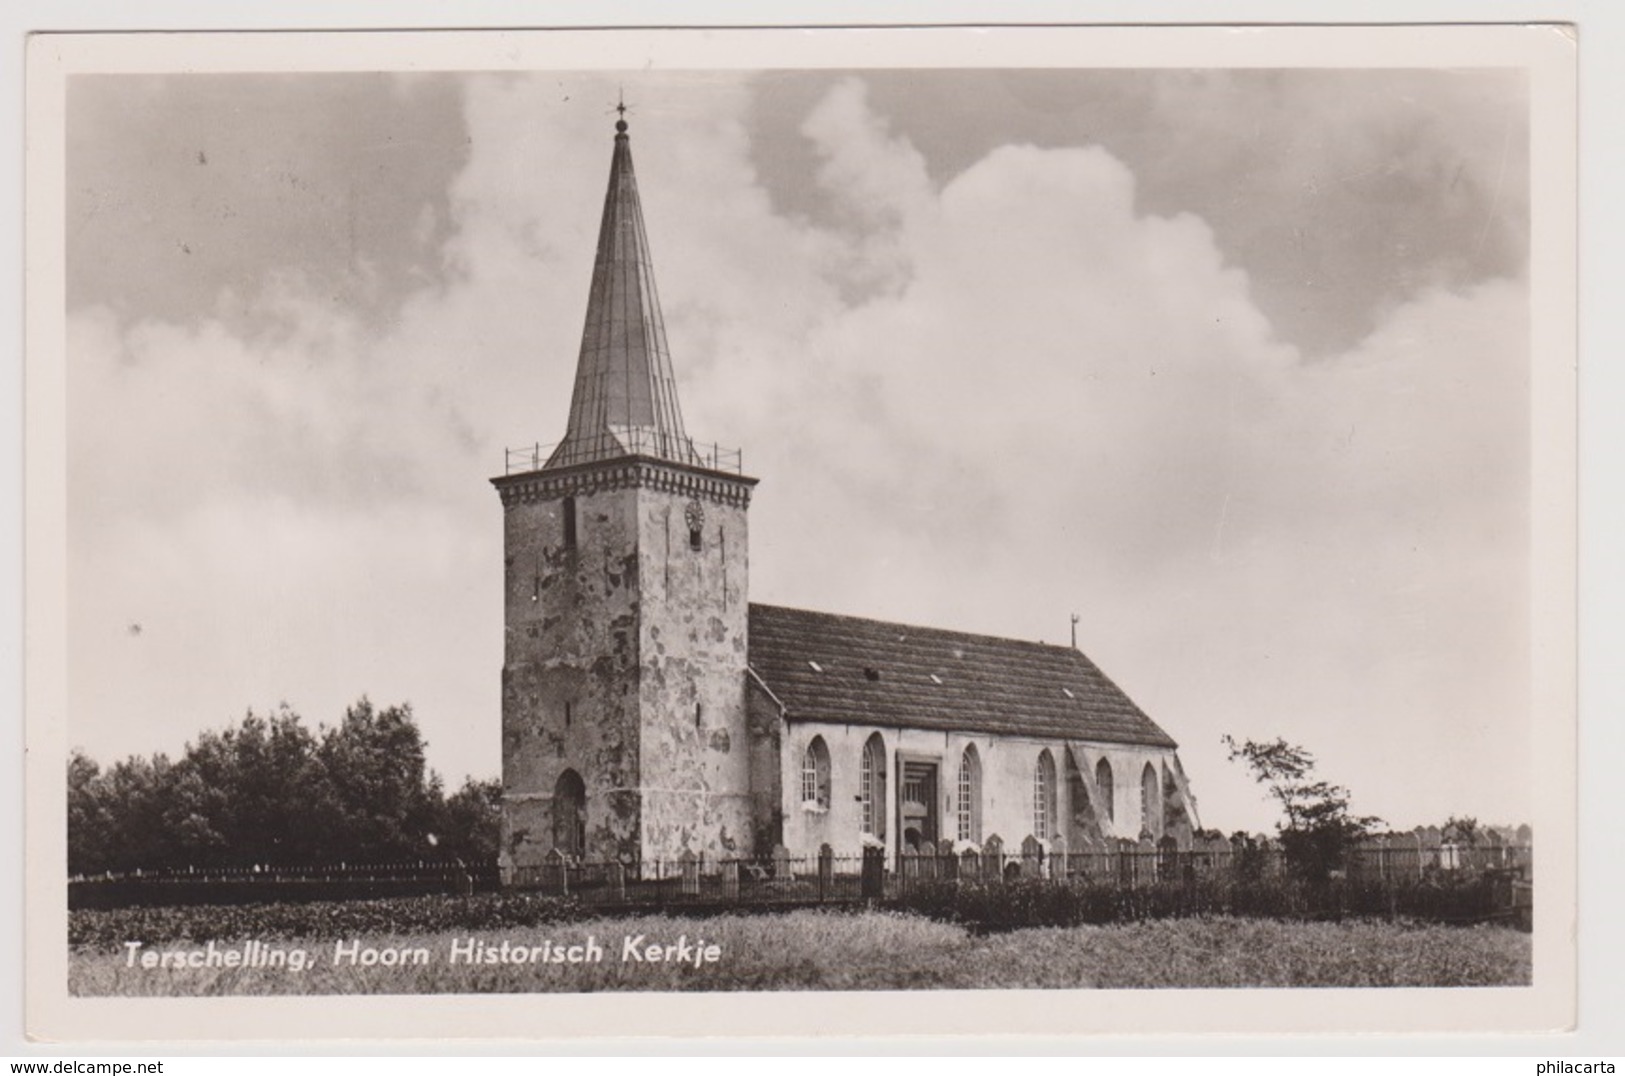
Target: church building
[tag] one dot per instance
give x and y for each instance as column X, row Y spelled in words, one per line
column 650, row 709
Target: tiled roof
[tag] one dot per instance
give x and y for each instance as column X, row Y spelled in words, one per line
column 869, row 672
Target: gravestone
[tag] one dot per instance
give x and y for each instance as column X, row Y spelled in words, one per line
column 970, row 863
column 1032, row 857
column 993, row 857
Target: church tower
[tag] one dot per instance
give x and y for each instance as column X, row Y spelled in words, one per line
column 624, row 670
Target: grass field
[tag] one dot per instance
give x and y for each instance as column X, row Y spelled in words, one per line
column 829, row 950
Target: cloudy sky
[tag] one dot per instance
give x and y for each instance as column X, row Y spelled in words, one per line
column 1234, row 365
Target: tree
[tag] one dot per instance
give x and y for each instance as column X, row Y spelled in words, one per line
column 248, row 795
column 1318, row 828
column 471, row 822
column 384, row 796
column 1464, row 831
column 271, row 791
column 90, row 824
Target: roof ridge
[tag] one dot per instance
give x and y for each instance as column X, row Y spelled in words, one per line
column 954, row 632
column 822, row 666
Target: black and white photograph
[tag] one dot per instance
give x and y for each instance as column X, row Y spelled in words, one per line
column 645, row 514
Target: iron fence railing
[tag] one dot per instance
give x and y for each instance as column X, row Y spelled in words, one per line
column 633, row 441
column 391, row 870
column 784, row 879
column 772, row 880
column 251, row 883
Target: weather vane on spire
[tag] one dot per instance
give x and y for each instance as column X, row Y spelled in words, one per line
column 620, row 107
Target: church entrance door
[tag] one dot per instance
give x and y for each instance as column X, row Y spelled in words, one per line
column 917, row 828
column 570, row 814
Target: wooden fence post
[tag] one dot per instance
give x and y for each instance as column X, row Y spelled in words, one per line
column 689, row 864
column 873, row 882
column 826, row 872
column 947, row 865
column 730, row 879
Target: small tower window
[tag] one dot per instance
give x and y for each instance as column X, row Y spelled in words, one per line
column 569, row 522
column 694, row 516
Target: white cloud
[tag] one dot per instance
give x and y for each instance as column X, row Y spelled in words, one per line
column 1071, row 405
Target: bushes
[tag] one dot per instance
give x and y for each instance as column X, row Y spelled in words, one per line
column 110, row 929
column 1028, row 902
column 984, row 905
column 1451, row 898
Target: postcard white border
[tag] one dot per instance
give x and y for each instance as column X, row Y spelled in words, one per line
column 1548, row 54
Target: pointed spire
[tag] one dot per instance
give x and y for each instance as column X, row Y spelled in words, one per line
column 625, row 399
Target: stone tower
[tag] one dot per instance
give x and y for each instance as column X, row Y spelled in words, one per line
column 623, row 679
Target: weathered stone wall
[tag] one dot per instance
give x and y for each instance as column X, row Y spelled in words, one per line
column 625, row 661
column 695, row 746
column 1007, row 767
column 572, row 653
column 765, row 729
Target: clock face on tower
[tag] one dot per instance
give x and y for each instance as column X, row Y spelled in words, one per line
column 694, row 515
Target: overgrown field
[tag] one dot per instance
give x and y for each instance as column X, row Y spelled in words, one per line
column 821, row 950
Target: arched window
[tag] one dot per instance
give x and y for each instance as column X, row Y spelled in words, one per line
column 970, row 795
column 1044, row 796
column 872, row 787
column 1078, row 803
column 815, row 775
column 570, row 814
column 1150, row 800
column 1103, row 781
